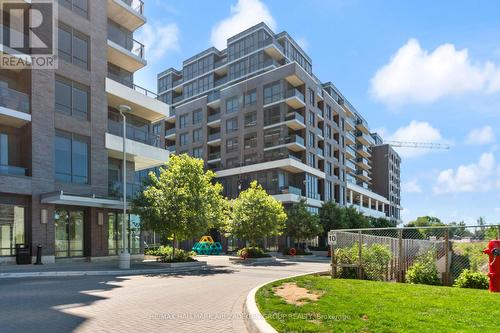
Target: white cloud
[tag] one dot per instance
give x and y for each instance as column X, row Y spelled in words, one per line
column 245, row 14
column 416, row 131
column 480, row 136
column 159, row 39
column 415, row 75
column 476, row 177
column 411, row 187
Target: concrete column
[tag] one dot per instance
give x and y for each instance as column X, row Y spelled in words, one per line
column 383, row 207
column 369, row 202
column 361, row 198
column 376, row 205
column 350, row 197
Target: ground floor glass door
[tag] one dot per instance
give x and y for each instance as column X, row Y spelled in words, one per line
column 69, row 232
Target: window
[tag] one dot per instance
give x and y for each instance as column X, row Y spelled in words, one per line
column 328, row 131
column 251, row 119
column 73, row 47
column 251, row 98
column 231, row 145
column 328, row 168
column 183, row 121
column 183, row 139
column 272, row 115
column 197, row 135
column 310, row 119
column 311, row 160
column 328, row 150
column 198, row 152
column 250, row 140
column 232, row 162
column 71, row 98
column 310, row 140
column 81, row 7
column 233, row 104
column 11, row 228
column 197, row 116
column 71, row 158
column 328, row 112
column 231, row 125
column 310, row 94
column 272, row 92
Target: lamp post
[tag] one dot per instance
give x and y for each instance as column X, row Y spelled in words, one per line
column 124, row 257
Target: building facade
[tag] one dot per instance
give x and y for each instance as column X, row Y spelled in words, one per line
column 61, row 136
column 256, row 111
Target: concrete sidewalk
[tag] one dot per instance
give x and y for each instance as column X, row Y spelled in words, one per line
column 87, row 268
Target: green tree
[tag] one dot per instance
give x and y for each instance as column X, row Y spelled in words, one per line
column 424, row 221
column 380, row 222
column 302, row 224
column 355, row 219
column 332, row 216
column 181, row 202
column 256, row 215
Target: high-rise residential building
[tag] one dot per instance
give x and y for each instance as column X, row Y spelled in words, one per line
column 386, row 177
column 256, row 111
column 61, row 136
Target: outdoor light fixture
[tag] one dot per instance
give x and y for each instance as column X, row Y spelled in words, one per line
column 43, row 216
column 124, row 257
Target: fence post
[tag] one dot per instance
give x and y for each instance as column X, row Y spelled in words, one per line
column 400, row 277
column 360, row 255
column 446, row 281
column 334, row 262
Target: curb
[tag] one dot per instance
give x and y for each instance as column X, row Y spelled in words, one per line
column 101, row 273
column 254, row 320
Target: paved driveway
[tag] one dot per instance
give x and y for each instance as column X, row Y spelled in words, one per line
column 209, row 301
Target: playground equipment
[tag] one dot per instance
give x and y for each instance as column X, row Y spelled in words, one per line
column 206, row 245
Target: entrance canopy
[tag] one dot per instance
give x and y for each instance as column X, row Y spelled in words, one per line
column 61, row 198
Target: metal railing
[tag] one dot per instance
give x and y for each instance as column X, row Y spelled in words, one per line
column 213, row 96
column 127, row 42
column 13, row 170
column 14, row 99
column 214, row 136
column 214, row 156
column 213, row 117
column 170, row 131
column 132, row 85
column 294, row 92
column 295, row 116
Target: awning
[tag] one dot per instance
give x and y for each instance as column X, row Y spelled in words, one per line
column 61, row 198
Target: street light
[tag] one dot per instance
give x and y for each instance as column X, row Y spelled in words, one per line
column 124, row 257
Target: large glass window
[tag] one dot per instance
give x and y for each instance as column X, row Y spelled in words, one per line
column 11, row 228
column 232, row 125
column 233, row 104
column 251, row 98
column 197, row 117
column 183, row 139
column 231, row 145
column 71, row 98
column 197, row 135
column 81, row 7
column 183, row 120
column 71, row 158
column 272, row 92
column 73, row 47
column 251, row 119
column 132, row 236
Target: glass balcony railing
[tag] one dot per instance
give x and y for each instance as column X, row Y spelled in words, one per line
column 350, row 164
column 13, row 170
column 177, row 99
column 214, row 136
column 295, row 116
column 169, row 131
column 291, row 190
column 350, row 151
column 134, row 133
column 133, row 86
column 220, row 62
column 294, row 92
column 213, row 96
column 350, row 136
column 126, row 41
column 220, row 81
column 320, row 132
column 213, row 117
column 214, row 156
column 349, row 121
column 136, row 5
column 171, row 148
column 15, row 100
column 320, row 152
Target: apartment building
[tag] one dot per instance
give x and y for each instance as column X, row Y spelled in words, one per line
column 61, row 136
column 256, row 111
column 386, row 176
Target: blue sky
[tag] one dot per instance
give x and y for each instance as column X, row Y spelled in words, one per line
column 420, row 71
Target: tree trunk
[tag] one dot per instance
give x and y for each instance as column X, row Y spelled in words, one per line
column 173, row 249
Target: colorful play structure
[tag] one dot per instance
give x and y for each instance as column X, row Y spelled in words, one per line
column 206, row 245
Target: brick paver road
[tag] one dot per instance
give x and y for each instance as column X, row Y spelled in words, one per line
column 209, row 301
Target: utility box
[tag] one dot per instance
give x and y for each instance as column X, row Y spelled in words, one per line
column 23, row 256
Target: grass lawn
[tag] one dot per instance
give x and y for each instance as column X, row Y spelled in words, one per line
column 369, row 306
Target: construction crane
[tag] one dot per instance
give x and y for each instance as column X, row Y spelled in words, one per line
column 413, row 144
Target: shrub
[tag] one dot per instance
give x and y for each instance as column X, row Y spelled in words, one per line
column 423, row 271
column 470, row 279
column 253, row 252
column 164, row 254
column 300, row 251
column 375, row 259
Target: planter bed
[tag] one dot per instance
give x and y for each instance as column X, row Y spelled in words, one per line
column 176, row 264
column 252, row 260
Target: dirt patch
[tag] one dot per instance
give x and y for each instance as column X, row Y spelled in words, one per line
column 295, row 295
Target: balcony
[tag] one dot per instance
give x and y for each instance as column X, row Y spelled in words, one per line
column 295, row 99
column 133, row 133
column 273, row 49
column 213, row 99
column 292, row 142
column 142, row 101
column 363, row 163
column 362, row 126
column 14, row 107
column 213, row 120
column 130, row 13
column 214, row 139
column 363, row 175
column 295, row 121
column 13, row 170
column 144, row 155
column 291, row 190
column 321, row 134
column 124, row 51
column 350, row 152
column 320, row 153
column 213, row 157
column 349, row 138
column 348, row 124
column 170, row 133
column 350, row 165
column 172, row 148
column 363, row 151
column 365, row 139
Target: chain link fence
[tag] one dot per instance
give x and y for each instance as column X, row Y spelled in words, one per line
column 386, row 254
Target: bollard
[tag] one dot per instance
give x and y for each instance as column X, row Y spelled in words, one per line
column 38, row 255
